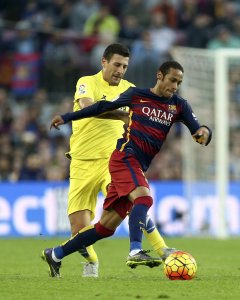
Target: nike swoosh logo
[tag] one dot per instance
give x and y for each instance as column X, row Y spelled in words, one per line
column 143, row 101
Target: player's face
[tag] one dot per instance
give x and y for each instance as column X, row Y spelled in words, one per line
column 114, row 70
column 169, row 84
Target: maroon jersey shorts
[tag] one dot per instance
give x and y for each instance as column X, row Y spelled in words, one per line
column 126, row 175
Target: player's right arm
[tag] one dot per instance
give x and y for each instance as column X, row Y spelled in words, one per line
column 85, row 102
column 96, row 109
column 113, row 115
column 93, row 110
column 82, row 102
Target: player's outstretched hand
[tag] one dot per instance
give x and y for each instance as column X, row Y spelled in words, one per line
column 56, row 122
column 203, row 135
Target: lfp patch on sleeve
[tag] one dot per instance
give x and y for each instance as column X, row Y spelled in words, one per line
column 82, row 89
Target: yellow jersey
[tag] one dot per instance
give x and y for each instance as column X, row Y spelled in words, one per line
column 94, row 138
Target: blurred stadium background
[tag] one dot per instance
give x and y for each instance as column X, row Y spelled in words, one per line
column 46, row 45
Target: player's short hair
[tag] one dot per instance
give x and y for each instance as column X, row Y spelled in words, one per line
column 171, row 64
column 116, row 49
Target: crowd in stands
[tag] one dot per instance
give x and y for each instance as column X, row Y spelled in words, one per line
column 46, row 45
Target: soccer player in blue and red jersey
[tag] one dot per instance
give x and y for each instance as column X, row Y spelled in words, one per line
column 152, row 112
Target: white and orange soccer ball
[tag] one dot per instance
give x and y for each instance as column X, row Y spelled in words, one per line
column 180, row 265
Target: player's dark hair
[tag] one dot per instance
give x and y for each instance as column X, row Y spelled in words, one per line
column 115, row 49
column 171, row 64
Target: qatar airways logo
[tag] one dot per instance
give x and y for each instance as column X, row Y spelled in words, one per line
column 158, row 115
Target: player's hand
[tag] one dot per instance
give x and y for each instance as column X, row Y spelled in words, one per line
column 56, row 122
column 201, row 136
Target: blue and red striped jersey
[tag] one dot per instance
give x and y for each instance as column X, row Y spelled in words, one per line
column 150, row 119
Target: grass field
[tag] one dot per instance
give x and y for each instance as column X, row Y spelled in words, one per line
column 23, row 275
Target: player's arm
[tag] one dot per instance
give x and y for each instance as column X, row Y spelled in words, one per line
column 82, row 102
column 85, row 102
column 113, row 115
column 202, row 134
column 96, row 109
column 93, row 110
column 116, row 114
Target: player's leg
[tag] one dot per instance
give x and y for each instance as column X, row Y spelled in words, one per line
column 79, row 220
column 87, row 236
column 83, row 191
column 156, row 240
column 142, row 201
column 129, row 181
column 150, row 231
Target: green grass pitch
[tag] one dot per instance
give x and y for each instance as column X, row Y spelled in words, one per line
column 23, row 275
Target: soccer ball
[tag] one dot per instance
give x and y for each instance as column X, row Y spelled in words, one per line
column 180, row 265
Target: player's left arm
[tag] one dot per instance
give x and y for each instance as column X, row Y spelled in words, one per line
column 202, row 134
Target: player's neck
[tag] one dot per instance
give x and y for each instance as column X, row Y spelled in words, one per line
column 155, row 91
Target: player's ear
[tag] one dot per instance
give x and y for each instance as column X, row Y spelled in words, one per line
column 159, row 75
column 103, row 61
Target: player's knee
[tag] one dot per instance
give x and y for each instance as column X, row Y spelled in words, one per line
column 79, row 220
column 145, row 200
column 75, row 229
column 103, row 231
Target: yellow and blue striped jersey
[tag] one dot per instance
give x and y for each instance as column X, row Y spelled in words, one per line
column 95, row 138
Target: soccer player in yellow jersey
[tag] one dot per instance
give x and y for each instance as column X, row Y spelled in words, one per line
column 91, row 144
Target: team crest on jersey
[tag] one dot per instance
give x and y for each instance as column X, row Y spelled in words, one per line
column 172, row 108
column 82, row 89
